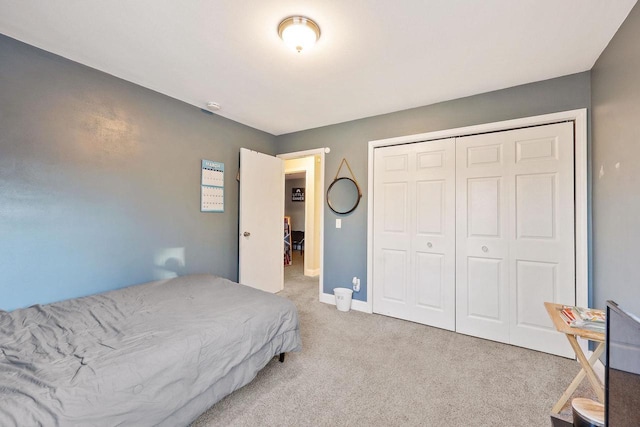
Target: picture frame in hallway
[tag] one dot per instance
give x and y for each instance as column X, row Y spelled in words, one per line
column 297, row 194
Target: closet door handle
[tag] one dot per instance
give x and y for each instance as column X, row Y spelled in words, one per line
column 429, row 245
column 485, row 249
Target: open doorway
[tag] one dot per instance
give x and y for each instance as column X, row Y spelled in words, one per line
column 303, row 207
column 297, row 200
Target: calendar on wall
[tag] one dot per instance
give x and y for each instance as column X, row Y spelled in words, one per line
column 212, row 187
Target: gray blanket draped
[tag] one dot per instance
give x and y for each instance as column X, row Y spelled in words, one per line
column 151, row 354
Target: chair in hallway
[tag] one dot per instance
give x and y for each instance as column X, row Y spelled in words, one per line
column 297, row 241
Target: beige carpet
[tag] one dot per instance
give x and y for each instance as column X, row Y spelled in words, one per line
column 361, row 369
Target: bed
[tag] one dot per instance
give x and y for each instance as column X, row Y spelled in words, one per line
column 160, row 353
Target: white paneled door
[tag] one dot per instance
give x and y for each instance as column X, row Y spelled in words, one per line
column 475, row 233
column 515, row 234
column 482, row 253
column 260, row 220
column 414, row 229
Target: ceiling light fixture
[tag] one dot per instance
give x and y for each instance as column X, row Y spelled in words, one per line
column 298, row 32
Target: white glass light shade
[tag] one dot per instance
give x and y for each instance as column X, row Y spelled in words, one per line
column 299, row 33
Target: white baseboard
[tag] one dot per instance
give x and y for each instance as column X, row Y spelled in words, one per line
column 312, row 272
column 356, row 305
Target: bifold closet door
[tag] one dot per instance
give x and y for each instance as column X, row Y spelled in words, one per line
column 482, row 275
column 414, row 232
column 515, row 234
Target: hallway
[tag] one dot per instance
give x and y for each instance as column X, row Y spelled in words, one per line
column 294, row 273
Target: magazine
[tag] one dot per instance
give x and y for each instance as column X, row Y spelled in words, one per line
column 585, row 318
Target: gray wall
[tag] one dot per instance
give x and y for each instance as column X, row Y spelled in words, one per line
column 616, row 139
column 345, row 250
column 99, row 176
column 294, row 209
column 100, row 181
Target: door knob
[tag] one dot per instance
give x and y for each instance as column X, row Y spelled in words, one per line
column 429, row 245
column 485, row 249
column 246, row 234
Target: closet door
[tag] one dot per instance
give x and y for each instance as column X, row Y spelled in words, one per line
column 482, row 254
column 541, row 237
column 516, row 243
column 414, row 232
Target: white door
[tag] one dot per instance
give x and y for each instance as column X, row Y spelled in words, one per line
column 515, row 228
column 482, row 276
column 542, row 236
column 414, row 229
column 261, row 243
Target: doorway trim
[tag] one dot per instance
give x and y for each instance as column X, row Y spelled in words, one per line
column 306, row 153
column 579, row 117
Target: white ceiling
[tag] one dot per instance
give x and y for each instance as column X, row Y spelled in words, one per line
column 373, row 57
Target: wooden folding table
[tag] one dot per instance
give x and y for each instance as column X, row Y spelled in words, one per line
column 587, row 364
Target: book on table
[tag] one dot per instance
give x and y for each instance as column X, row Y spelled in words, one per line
column 585, row 318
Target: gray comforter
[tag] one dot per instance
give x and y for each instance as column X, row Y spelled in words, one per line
column 154, row 354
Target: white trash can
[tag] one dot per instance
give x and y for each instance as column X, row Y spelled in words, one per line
column 343, row 298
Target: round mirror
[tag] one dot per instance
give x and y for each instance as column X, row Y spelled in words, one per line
column 343, row 195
